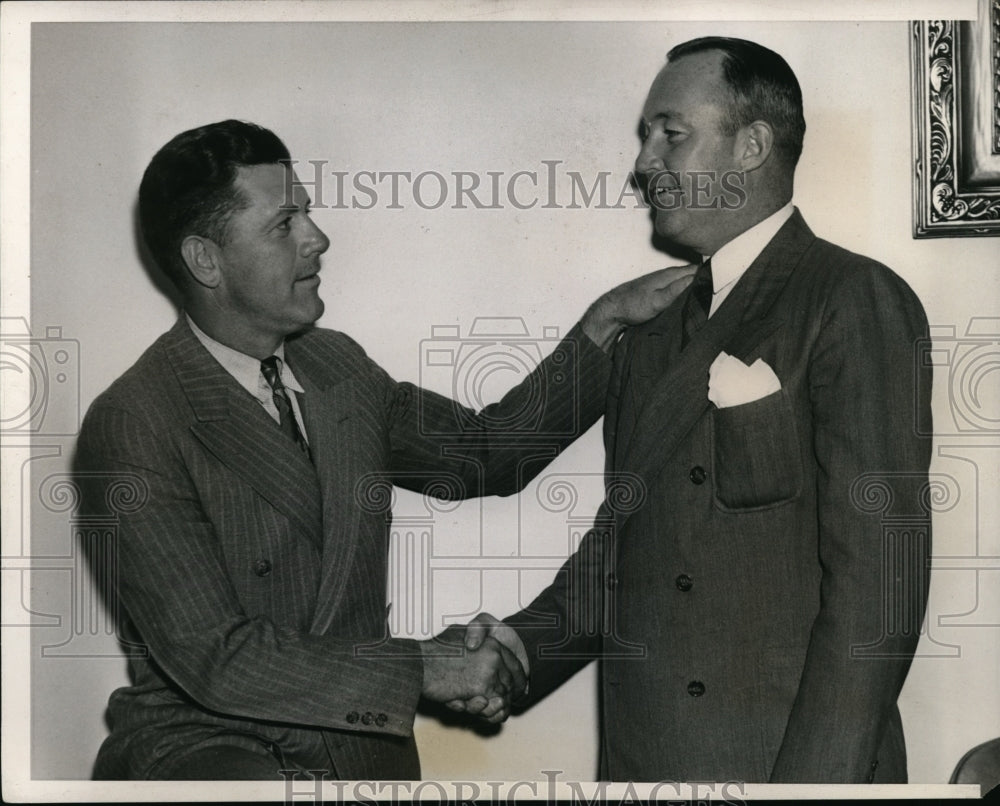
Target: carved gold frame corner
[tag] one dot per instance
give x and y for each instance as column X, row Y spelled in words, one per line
column 955, row 70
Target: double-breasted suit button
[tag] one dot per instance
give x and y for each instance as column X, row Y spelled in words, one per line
column 368, row 718
column 353, row 717
column 684, row 583
column 696, row 688
column 381, row 719
column 262, row 568
column 697, row 474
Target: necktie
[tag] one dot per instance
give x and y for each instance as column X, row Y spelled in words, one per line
column 270, row 367
column 698, row 303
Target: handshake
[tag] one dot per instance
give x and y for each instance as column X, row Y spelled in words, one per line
column 478, row 669
column 482, row 668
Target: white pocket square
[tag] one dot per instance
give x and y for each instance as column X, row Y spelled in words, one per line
column 733, row 383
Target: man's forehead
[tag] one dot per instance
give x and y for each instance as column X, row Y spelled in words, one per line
column 695, row 78
column 271, row 185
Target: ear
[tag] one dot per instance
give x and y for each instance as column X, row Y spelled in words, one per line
column 201, row 256
column 754, row 144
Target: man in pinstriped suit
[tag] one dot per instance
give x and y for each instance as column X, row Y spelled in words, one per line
column 255, row 569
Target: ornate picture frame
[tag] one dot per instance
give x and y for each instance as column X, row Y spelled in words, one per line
column 955, row 67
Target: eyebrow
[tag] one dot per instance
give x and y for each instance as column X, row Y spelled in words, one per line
column 292, row 208
column 283, row 210
column 666, row 113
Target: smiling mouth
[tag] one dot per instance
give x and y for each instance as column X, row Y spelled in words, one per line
column 662, row 185
column 664, row 195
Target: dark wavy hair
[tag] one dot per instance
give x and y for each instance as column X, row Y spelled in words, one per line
column 762, row 87
column 188, row 187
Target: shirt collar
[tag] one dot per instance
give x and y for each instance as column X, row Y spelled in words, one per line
column 734, row 258
column 245, row 368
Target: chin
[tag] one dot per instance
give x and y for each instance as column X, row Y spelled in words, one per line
column 316, row 309
column 308, row 318
column 667, row 226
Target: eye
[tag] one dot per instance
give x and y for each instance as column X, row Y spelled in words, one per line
column 285, row 225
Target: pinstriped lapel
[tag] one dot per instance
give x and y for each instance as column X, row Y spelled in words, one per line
column 654, row 347
column 234, row 427
column 332, row 408
column 340, row 467
column 680, row 397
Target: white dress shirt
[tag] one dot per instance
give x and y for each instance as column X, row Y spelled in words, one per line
column 246, row 370
column 735, row 257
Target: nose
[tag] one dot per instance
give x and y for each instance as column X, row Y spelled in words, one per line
column 648, row 161
column 314, row 242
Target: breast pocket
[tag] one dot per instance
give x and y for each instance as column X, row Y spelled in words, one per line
column 756, row 456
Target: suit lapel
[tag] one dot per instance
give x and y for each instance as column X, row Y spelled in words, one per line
column 655, row 348
column 339, row 465
column 331, row 412
column 234, row 427
column 679, row 398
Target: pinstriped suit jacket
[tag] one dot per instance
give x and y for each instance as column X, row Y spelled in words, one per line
column 257, row 579
column 758, row 616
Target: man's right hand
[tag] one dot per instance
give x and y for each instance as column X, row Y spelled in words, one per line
column 484, row 680
column 477, row 631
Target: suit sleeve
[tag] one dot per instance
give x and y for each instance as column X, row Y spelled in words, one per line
column 499, row 449
column 564, row 627
column 869, row 408
column 174, row 585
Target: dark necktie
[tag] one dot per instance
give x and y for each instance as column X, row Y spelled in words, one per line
column 698, row 303
column 270, row 367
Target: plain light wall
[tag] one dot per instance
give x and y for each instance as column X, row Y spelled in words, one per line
column 474, row 97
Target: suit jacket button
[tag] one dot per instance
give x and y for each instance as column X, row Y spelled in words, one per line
column 353, row 717
column 381, row 719
column 696, row 688
column 697, row 474
column 262, row 568
column 684, row 583
column 368, row 718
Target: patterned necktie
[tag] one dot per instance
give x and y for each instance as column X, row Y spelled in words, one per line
column 270, row 367
column 698, row 303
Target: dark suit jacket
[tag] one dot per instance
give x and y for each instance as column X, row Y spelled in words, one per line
column 258, row 580
column 761, row 588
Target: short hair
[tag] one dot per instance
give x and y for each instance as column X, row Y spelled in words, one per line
column 188, row 187
column 762, row 87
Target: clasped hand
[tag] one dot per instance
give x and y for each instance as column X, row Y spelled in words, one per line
column 479, row 669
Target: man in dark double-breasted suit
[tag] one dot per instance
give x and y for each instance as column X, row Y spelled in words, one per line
column 755, row 619
column 255, row 454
